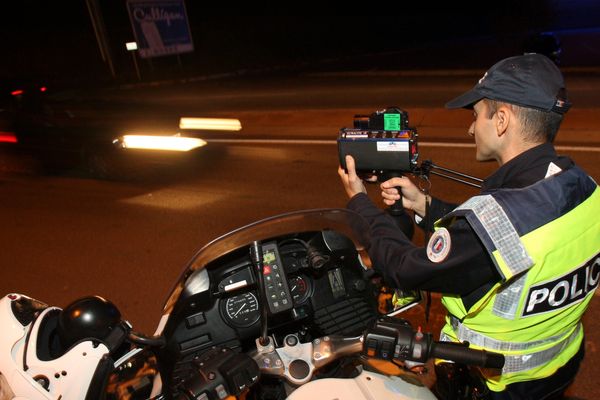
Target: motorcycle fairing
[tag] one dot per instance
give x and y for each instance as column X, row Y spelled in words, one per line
column 66, row 376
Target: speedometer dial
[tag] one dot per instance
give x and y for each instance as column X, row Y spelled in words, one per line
column 299, row 289
column 242, row 310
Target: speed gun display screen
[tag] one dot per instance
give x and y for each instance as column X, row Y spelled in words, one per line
column 392, row 122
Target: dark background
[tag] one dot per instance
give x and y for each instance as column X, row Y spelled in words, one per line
column 55, row 41
column 127, row 240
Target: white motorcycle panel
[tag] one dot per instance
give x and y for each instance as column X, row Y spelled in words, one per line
column 69, row 376
column 366, row 386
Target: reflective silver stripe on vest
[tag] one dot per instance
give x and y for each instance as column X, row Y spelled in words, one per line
column 508, row 297
column 501, row 231
column 514, row 363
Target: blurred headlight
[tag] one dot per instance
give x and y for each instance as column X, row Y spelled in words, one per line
column 151, row 142
column 212, row 124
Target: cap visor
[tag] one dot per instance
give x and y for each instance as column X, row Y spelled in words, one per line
column 465, row 100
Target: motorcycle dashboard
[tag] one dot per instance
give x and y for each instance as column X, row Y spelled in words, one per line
column 314, row 283
column 287, row 286
column 317, row 284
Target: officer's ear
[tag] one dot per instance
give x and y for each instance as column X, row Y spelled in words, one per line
column 503, row 117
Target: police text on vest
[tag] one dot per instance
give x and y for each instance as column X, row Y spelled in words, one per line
column 564, row 291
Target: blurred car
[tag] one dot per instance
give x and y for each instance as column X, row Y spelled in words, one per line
column 64, row 131
column 7, row 130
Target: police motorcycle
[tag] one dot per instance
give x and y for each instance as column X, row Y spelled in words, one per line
column 282, row 308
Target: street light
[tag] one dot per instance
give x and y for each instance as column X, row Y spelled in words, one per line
column 132, row 47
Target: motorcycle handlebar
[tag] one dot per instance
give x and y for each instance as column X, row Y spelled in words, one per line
column 392, row 338
column 460, row 353
column 388, row 339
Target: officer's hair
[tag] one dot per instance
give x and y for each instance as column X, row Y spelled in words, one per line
column 538, row 126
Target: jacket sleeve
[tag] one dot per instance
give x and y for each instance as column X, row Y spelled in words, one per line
column 404, row 265
column 437, row 209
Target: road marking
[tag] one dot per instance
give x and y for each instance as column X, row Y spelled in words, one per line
column 578, row 148
column 421, row 144
column 271, row 141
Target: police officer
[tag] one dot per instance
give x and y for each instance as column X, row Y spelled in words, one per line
column 518, row 264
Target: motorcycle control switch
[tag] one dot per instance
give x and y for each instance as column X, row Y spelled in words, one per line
column 391, row 339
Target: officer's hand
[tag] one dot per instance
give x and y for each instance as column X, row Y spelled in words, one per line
column 352, row 183
column 412, row 197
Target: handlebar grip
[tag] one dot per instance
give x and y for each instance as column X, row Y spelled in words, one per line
column 460, row 353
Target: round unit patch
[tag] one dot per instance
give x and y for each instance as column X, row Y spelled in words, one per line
column 439, row 245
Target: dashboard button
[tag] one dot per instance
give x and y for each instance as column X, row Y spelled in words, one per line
column 195, row 320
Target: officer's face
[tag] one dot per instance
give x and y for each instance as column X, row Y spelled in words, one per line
column 484, row 131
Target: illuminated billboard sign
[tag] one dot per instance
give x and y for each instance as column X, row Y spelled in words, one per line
column 160, row 27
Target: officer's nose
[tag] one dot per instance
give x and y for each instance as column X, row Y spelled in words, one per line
column 471, row 131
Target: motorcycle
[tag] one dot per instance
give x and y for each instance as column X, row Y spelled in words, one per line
column 282, row 308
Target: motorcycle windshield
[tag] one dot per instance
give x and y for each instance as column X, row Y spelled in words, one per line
column 342, row 221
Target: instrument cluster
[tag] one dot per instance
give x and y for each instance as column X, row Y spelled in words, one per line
column 315, row 285
column 287, row 289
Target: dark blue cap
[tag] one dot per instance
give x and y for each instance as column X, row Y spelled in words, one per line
column 531, row 80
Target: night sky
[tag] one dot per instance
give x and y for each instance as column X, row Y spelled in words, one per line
column 55, row 40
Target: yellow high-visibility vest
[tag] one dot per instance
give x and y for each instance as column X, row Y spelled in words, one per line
column 545, row 242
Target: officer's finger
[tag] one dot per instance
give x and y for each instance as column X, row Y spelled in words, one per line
column 350, row 166
column 390, row 194
column 394, row 182
column 403, row 182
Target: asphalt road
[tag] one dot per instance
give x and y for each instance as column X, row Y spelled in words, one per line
column 67, row 236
